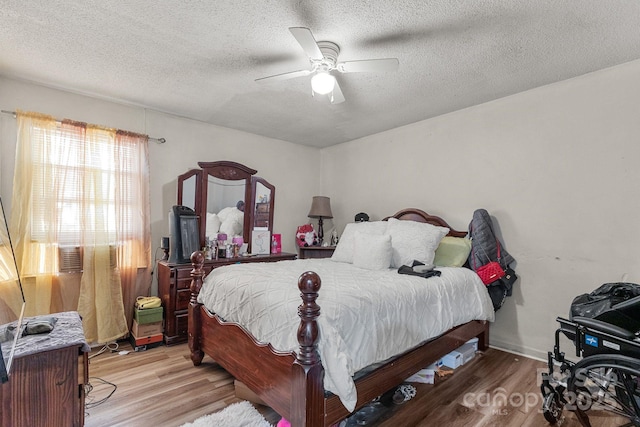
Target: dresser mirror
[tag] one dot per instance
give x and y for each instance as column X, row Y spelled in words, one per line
column 222, row 194
column 228, row 199
column 189, row 188
column 263, row 193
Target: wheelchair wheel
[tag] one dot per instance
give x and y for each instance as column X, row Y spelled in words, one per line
column 606, row 382
column 551, row 408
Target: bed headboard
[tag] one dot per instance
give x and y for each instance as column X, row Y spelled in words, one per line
column 413, row 214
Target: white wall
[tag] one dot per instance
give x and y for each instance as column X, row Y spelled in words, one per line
column 557, row 167
column 188, row 142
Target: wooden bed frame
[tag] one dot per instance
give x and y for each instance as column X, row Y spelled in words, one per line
column 293, row 384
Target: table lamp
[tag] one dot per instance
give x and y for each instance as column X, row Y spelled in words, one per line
column 320, row 208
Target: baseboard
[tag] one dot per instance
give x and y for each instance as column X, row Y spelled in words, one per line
column 519, row 350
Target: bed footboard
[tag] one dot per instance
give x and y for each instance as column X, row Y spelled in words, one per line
column 291, row 384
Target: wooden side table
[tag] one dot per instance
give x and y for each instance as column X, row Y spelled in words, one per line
column 47, row 381
column 316, row 251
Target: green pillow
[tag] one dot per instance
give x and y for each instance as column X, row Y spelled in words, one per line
column 452, row 252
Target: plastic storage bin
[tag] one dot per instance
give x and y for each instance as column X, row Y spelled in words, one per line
column 460, row 356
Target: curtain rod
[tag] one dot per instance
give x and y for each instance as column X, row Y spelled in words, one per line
column 158, row 140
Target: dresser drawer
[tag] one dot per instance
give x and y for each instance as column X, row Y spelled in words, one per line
column 182, row 324
column 183, row 279
column 183, row 273
column 182, row 299
column 184, row 283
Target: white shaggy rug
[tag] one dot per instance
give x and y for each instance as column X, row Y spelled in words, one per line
column 241, row 414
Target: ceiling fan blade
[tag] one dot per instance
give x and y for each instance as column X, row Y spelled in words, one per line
column 336, row 97
column 307, row 41
column 284, row 76
column 368, row 65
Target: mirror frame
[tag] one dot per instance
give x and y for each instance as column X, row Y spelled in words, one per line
column 197, row 173
column 229, row 171
column 258, row 180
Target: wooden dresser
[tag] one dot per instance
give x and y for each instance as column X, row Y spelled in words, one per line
column 47, row 381
column 174, row 281
column 316, row 251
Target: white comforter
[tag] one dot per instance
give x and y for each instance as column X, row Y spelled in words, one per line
column 365, row 316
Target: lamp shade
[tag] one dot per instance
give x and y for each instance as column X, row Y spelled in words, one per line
column 320, row 208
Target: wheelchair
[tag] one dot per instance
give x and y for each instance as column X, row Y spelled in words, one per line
column 606, row 381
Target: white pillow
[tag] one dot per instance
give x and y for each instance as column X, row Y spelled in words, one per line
column 372, row 251
column 224, row 212
column 344, row 250
column 232, row 223
column 213, row 225
column 413, row 240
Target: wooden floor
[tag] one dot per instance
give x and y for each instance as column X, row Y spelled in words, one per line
column 160, row 387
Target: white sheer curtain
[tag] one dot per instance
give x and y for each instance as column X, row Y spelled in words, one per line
column 87, row 187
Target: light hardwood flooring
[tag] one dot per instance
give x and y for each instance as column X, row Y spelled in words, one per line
column 160, row 387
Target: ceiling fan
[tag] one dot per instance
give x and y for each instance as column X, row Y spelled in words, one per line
column 323, row 56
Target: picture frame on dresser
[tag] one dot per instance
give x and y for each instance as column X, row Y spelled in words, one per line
column 260, row 242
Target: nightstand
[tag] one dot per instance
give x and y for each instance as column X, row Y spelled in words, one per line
column 316, row 251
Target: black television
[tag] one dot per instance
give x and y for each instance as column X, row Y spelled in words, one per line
column 184, row 238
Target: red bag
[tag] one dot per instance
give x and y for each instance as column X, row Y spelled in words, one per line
column 491, row 272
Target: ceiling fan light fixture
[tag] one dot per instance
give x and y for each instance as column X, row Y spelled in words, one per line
column 323, row 83
column 323, row 58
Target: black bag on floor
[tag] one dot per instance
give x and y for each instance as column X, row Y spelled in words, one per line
column 602, row 299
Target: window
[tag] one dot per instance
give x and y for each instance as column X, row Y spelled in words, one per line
column 84, row 182
column 87, row 188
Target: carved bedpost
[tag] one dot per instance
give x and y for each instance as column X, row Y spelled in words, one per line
column 309, row 310
column 197, row 274
column 307, row 400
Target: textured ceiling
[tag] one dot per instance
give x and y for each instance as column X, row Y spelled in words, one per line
column 199, row 58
